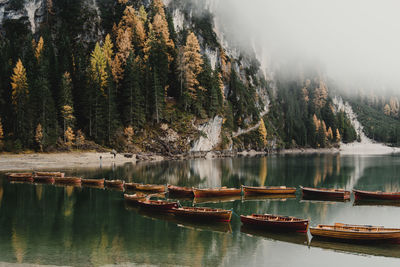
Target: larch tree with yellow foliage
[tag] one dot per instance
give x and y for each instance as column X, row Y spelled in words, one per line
column 191, row 66
column 263, row 132
column 19, row 99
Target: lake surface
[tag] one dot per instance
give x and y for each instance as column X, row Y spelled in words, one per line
column 58, row 225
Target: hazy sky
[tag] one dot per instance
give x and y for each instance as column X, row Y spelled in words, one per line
column 356, row 40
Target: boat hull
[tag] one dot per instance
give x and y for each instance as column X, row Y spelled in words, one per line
column 135, row 198
column 114, row 183
column 284, row 226
column 68, row 180
column 250, row 190
column 354, row 236
column 220, row 192
column 44, row 179
column 368, row 195
column 159, row 206
column 54, row 174
column 180, row 191
column 314, row 193
column 97, row 182
column 203, row 214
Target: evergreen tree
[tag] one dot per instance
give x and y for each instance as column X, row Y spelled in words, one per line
column 66, row 103
column 133, row 104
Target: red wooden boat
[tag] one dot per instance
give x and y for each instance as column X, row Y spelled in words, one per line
column 204, row 214
column 275, row 222
column 134, row 199
column 20, row 177
column 96, row 182
column 54, row 174
column 114, row 183
column 158, row 205
column 44, row 179
column 216, row 192
column 355, row 232
column 377, row 195
column 324, row 193
column 179, row 191
column 68, row 180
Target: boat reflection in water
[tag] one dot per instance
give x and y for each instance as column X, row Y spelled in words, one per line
column 376, row 203
column 372, row 249
column 201, row 200
column 281, row 197
column 224, row 227
column 293, row 237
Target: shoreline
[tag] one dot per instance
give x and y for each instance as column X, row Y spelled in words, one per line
column 71, row 160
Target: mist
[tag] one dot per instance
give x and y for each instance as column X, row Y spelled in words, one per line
column 355, row 42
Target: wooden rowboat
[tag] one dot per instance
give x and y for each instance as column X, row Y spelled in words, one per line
column 54, row 174
column 204, row 214
column 44, row 179
column 324, row 193
column 20, row 177
column 68, row 180
column 97, row 182
column 130, row 186
column 114, row 183
column 377, row 195
column 148, row 187
column 355, row 232
column 275, row 222
column 252, row 190
column 158, row 205
column 216, row 192
column 179, row 191
column 134, row 199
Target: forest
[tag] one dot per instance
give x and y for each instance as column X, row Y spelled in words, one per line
column 122, row 77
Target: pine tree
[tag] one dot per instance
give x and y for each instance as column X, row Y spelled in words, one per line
column 41, row 100
column 67, row 107
column 133, row 98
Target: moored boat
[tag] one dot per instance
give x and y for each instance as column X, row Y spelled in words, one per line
column 150, row 188
column 54, row 174
column 134, row 199
column 158, row 205
column 275, row 222
column 114, row 183
column 179, row 191
column 68, row 180
column 253, row 190
column 20, row 177
column 204, row 214
column 130, row 186
column 351, row 232
column 325, row 193
column 377, row 195
column 97, row 182
column 44, row 179
column 216, row 192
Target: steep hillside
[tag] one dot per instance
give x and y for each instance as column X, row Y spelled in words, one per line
column 147, row 76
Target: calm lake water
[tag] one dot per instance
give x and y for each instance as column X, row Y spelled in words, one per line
column 56, row 225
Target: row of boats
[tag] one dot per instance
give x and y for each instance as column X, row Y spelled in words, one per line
column 144, row 193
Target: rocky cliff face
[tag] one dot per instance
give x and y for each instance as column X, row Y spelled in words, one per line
column 31, row 12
